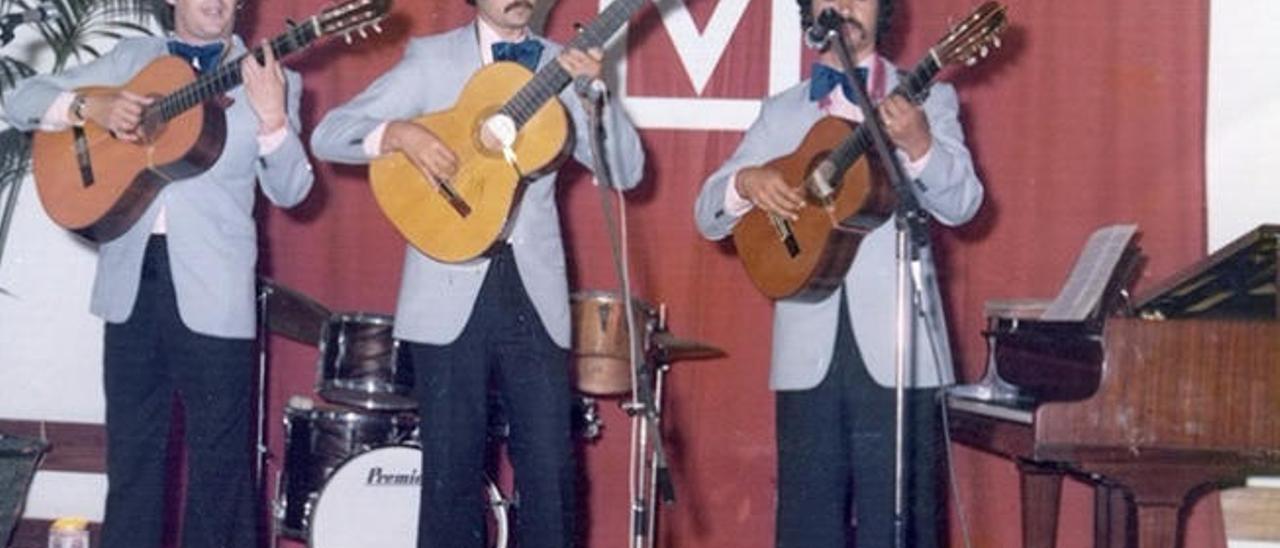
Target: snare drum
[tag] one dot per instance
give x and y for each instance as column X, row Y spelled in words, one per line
column 317, row 441
column 601, row 342
column 372, row 500
column 361, row 365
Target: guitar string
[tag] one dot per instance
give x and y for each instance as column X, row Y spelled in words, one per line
column 913, row 83
column 225, row 76
column 547, row 82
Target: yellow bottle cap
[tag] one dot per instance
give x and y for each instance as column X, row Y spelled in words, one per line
column 70, row 524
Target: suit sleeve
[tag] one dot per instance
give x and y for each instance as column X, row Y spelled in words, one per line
column 285, row 173
column 340, row 135
column 948, row 187
column 28, row 101
column 713, row 221
column 622, row 143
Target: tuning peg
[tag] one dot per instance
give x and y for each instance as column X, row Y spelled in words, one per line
column 377, row 27
column 971, row 61
column 996, row 42
column 363, row 34
column 346, row 37
column 984, row 51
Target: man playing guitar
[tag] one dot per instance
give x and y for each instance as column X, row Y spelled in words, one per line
column 502, row 317
column 177, row 288
column 832, row 366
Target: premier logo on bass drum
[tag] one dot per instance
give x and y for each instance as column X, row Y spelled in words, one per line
column 376, row 477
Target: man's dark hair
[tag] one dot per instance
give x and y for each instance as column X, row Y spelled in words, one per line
column 883, row 16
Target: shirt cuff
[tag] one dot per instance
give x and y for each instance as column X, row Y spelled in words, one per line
column 55, row 118
column 272, row 141
column 914, row 169
column 734, row 203
column 372, row 143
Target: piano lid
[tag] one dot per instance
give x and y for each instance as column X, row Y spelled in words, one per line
column 1237, row 281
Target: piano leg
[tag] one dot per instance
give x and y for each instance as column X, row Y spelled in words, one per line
column 1158, row 525
column 1112, row 527
column 1041, row 486
column 1161, row 491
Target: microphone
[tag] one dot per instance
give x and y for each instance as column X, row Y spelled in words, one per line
column 819, row 34
column 591, row 89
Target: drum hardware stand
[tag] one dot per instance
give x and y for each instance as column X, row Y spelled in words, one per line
column 649, row 475
column 591, row 422
column 261, row 451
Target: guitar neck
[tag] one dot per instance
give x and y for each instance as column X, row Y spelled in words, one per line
column 552, row 78
column 913, row 86
column 227, row 76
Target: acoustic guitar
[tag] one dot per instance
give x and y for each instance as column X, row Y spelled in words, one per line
column 807, row 258
column 505, row 128
column 97, row 186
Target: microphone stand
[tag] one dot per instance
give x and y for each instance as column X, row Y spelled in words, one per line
column 912, row 237
column 647, row 471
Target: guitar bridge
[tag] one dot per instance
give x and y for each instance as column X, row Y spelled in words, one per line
column 451, row 195
column 82, row 156
column 785, row 235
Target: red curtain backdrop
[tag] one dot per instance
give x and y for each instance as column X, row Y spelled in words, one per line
column 1092, row 113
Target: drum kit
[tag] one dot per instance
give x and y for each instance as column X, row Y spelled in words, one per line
column 351, row 470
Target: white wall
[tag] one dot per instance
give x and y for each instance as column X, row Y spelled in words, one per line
column 1242, row 149
column 1243, row 130
column 50, row 346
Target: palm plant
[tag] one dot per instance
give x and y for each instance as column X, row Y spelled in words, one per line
column 78, row 33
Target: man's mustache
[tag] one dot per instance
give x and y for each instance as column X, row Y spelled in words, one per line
column 518, row 4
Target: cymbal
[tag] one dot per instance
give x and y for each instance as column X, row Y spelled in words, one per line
column 291, row 313
column 670, row 348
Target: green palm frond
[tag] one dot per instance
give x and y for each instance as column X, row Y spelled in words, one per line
column 13, row 70
column 14, row 155
column 81, row 22
column 15, row 160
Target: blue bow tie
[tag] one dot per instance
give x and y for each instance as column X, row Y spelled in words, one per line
column 526, row 52
column 204, row 58
column 824, row 79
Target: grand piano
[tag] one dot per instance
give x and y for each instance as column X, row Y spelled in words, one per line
column 1154, row 400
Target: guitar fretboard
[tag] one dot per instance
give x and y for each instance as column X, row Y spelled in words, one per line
column 912, row 86
column 552, row 78
column 227, row 75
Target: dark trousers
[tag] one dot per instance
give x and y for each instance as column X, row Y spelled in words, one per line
column 504, row 345
column 148, row 361
column 836, row 455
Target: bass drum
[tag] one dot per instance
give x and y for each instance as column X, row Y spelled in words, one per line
column 318, row 439
column 372, row 500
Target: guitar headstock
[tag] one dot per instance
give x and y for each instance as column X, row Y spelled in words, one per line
column 974, row 37
column 353, row 16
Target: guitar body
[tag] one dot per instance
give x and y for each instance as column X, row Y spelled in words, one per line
column 485, row 181
column 826, row 240
column 98, row 186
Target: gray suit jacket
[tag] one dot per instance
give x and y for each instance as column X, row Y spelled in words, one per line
column 804, row 333
column 211, row 234
column 436, row 298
